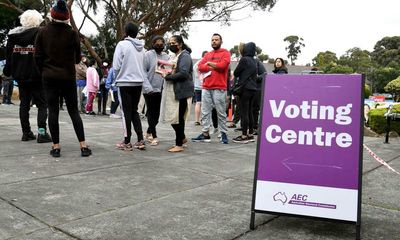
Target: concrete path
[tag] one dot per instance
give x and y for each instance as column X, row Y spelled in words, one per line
column 202, row 193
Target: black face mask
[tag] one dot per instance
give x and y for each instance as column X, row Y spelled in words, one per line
column 173, row 48
column 158, row 48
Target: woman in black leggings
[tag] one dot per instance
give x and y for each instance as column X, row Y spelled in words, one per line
column 57, row 52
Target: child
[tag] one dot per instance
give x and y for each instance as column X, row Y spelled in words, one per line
column 92, row 86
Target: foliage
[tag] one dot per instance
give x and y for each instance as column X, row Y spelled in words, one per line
column 359, row 60
column 377, row 121
column 294, row 47
column 380, row 77
column 161, row 16
column 367, row 91
column 393, row 87
column 387, row 52
column 260, row 55
column 324, row 59
column 337, row 68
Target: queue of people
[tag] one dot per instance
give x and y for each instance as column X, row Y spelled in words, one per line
column 49, row 68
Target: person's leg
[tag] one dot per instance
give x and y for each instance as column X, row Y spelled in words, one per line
column 256, row 108
column 25, row 97
column 69, row 94
column 220, row 107
column 206, row 109
column 126, row 110
column 89, row 104
column 236, row 114
column 10, row 91
column 99, row 100
column 6, row 87
column 53, row 96
column 40, row 101
column 244, row 108
column 250, row 107
column 137, row 124
column 181, row 126
column 104, row 92
column 197, row 109
column 153, row 103
column 115, row 103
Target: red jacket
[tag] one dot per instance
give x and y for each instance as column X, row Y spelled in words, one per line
column 218, row 77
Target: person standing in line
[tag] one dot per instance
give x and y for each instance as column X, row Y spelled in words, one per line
column 57, row 52
column 20, row 65
column 261, row 72
column 81, row 69
column 214, row 66
column 179, row 90
column 130, row 78
column 110, row 86
column 92, row 86
column 279, row 66
column 103, row 92
column 246, row 72
column 153, row 65
column 8, row 87
column 198, row 82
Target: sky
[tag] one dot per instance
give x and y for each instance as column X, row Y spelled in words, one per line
column 334, row 25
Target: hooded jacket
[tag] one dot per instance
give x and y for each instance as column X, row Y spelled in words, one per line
column 128, row 64
column 218, row 77
column 58, row 49
column 155, row 79
column 246, row 70
column 20, row 62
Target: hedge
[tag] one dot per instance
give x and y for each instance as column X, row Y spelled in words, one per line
column 377, row 121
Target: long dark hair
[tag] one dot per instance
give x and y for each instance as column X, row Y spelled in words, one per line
column 179, row 39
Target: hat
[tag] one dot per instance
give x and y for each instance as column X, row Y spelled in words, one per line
column 59, row 11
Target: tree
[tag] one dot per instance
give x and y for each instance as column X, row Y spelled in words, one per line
column 337, row 68
column 380, row 77
column 387, row 52
column 324, row 59
column 393, row 87
column 359, row 60
column 159, row 17
column 294, row 48
column 259, row 54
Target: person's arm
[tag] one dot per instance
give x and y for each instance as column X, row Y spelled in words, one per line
column 240, row 67
column 147, row 88
column 77, row 47
column 184, row 69
column 203, row 67
column 117, row 60
column 38, row 55
column 222, row 64
column 7, row 71
column 110, row 80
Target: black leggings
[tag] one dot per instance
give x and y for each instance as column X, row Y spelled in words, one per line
column 153, row 103
column 54, row 90
column 129, row 100
column 180, row 127
column 246, row 106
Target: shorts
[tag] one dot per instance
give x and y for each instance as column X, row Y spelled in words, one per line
column 197, row 95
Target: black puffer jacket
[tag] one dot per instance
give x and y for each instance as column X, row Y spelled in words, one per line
column 246, row 70
column 20, row 63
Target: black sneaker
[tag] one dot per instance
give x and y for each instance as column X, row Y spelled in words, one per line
column 28, row 136
column 202, row 138
column 86, row 152
column 240, row 139
column 251, row 138
column 55, row 152
column 44, row 138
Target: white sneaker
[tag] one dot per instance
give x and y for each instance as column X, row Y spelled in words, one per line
column 115, row 116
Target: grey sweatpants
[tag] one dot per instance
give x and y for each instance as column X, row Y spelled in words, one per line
column 210, row 99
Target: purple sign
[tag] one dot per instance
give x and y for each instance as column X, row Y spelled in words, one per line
column 310, row 130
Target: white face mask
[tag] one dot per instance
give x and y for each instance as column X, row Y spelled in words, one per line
column 105, row 64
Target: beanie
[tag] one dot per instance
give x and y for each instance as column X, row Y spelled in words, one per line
column 59, row 11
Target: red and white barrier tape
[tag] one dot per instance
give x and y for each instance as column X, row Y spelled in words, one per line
column 380, row 160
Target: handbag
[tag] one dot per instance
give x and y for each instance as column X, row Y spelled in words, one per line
column 237, row 89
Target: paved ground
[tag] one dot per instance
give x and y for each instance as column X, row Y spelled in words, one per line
column 202, row 193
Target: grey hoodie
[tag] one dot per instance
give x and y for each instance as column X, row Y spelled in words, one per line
column 128, row 64
column 155, row 79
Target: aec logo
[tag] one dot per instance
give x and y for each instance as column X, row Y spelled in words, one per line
column 281, row 197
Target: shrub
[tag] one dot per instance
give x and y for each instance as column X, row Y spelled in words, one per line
column 377, row 120
column 367, row 91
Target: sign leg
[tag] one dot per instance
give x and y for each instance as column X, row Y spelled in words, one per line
column 252, row 218
column 358, row 231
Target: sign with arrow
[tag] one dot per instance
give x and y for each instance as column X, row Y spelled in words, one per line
column 309, row 154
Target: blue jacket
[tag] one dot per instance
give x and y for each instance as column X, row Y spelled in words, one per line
column 110, row 83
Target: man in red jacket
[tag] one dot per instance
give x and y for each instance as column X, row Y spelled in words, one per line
column 214, row 66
